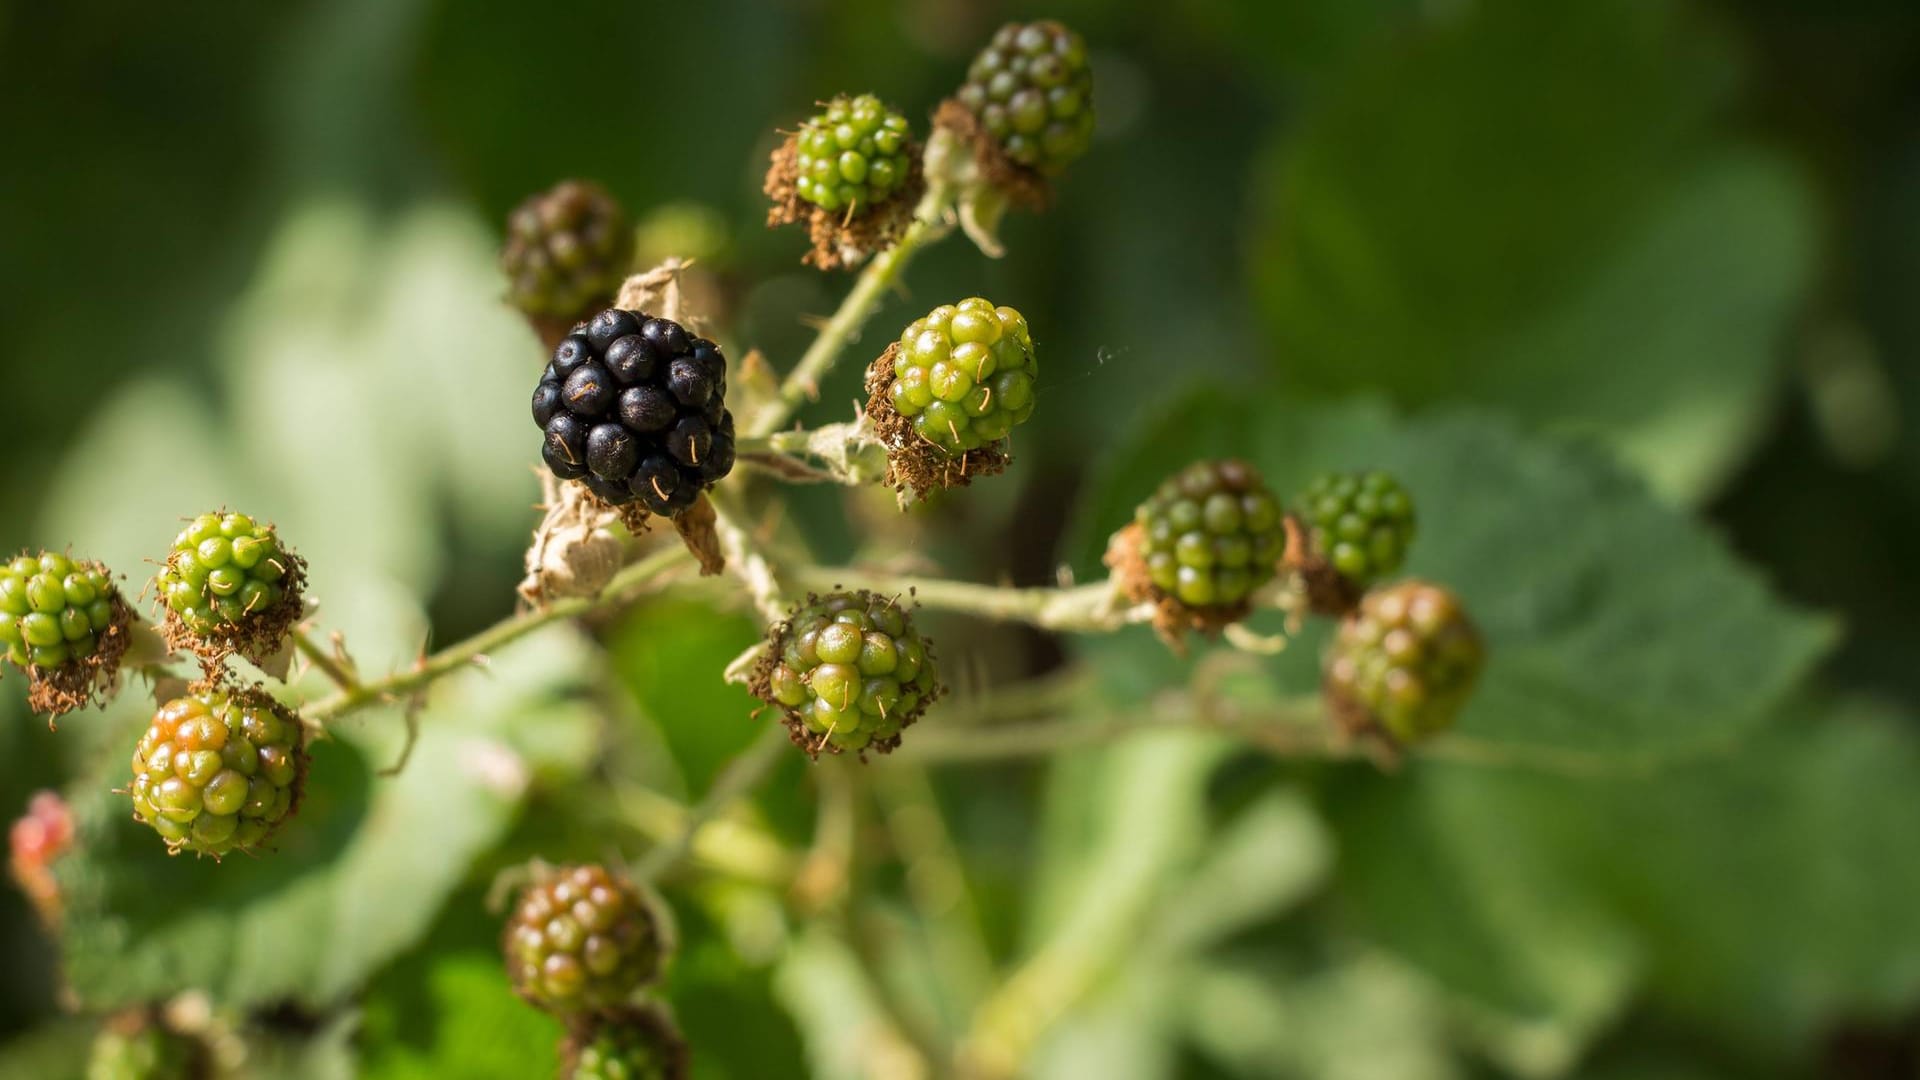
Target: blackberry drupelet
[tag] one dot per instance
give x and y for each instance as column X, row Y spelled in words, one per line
column 1211, row 535
column 964, row 375
column 582, row 940
column 634, row 407
column 219, row 771
column 849, row 671
column 567, row 251
column 853, row 156
column 637, row 1043
column 229, row 584
column 1032, row 91
column 1405, row 662
column 1361, row 523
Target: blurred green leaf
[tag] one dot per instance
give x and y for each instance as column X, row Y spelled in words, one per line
column 1616, row 627
column 1761, row 894
column 1525, row 206
column 355, row 878
column 455, row 1014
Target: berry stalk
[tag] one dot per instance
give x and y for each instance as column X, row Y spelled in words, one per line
column 462, row 654
column 930, row 224
column 1095, row 608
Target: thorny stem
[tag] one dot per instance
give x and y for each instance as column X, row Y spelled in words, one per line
column 321, row 658
column 931, row 222
column 473, row 650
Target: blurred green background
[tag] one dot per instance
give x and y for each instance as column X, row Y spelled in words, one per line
column 1624, row 289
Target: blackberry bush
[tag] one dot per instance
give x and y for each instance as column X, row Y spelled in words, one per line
column 63, row 622
column 849, row 671
column 229, row 585
column 853, row 156
column 1361, row 523
column 635, row 408
column 218, row 771
column 1404, row 662
column 1210, row 536
column 639, row 1043
column 1031, row 90
column 567, row 251
column 583, row 940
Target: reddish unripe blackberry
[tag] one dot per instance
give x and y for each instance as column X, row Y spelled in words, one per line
column 1405, row 661
column 634, row 407
column 1032, row 91
column 850, row 671
column 219, row 771
column 582, row 940
column 1211, row 535
column 567, row 251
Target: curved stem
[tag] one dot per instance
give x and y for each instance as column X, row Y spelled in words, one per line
column 740, row 776
column 1288, row 729
column 882, row 273
column 462, row 654
column 321, row 658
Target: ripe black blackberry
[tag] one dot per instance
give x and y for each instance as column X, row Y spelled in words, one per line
column 634, row 407
column 1404, row 662
column 582, row 940
column 636, row 1043
column 567, row 251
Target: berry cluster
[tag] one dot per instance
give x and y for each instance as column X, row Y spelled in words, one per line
column 567, row 251
column 850, row 671
column 1361, row 523
column 853, row 156
column 638, row 1043
column 1404, row 661
column 582, row 940
column 964, row 375
column 1032, row 91
column 634, row 407
column 218, row 771
column 53, row 610
column 228, row 583
column 1211, row 535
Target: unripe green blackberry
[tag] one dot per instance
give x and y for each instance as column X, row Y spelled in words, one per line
column 567, row 251
column 582, row 940
column 1032, row 90
column 229, row 585
column 850, row 671
column 964, row 375
column 853, row 156
column 219, row 771
column 639, row 1043
column 64, row 623
column 1404, row 661
column 141, row 1046
column 1211, row 535
column 1361, row 523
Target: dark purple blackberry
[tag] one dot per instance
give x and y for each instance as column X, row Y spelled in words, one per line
column 634, row 407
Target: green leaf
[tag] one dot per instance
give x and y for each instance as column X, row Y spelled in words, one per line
column 1587, row 252
column 354, row 879
column 1762, row 893
column 1616, row 627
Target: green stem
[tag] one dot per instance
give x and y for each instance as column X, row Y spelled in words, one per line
column 1094, row 608
column 882, row 273
column 463, row 654
column 1289, row 729
column 320, row 658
